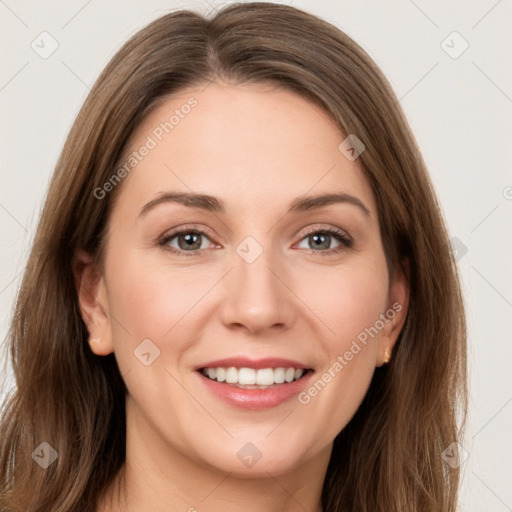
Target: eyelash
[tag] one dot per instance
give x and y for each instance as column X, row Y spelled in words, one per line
column 345, row 241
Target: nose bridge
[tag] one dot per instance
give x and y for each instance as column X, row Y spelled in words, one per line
column 255, row 297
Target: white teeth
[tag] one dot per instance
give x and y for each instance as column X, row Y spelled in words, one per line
column 251, row 377
column 289, row 374
column 221, row 374
column 246, row 376
column 265, row 377
column 231, row 375
column 279, row 375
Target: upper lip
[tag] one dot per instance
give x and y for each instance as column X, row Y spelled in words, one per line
column 245, row 362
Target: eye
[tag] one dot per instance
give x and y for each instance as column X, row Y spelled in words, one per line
column 320, row 241
column 185, row 240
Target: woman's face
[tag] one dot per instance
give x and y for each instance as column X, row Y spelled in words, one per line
column 244, row 239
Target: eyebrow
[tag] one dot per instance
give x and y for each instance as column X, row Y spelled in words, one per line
column 212, row 204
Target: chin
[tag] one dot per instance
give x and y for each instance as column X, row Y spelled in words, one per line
column 252, row 459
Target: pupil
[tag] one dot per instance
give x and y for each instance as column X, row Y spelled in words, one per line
column 317, row 238
column 191, row 240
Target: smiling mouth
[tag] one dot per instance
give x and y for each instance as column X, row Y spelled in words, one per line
column 250, row 378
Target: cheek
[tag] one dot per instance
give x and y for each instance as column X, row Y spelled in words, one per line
column 161, row 303
column 351, row 306
column 348, row 299
column 153, row 300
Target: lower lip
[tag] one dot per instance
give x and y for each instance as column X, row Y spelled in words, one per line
column 256, row 398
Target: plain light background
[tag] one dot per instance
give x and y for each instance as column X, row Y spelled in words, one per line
column 459, row 105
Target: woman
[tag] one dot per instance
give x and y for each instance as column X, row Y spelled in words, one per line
column 241, row 294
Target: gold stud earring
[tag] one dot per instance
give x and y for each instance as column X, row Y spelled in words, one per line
column 387, row 356
column 93, row 340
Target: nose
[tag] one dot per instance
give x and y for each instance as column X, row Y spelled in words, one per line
column 256, row 297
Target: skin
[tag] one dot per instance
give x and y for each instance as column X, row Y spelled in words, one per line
column 256, row 148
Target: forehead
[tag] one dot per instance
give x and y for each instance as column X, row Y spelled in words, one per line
column 253, row 146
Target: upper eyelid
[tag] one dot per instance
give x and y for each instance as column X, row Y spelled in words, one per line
column 326, row 229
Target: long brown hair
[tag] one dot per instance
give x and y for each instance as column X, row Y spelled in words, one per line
column 389, row 457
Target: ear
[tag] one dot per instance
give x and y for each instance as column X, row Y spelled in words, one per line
column 93, row 302
column 396, row 312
